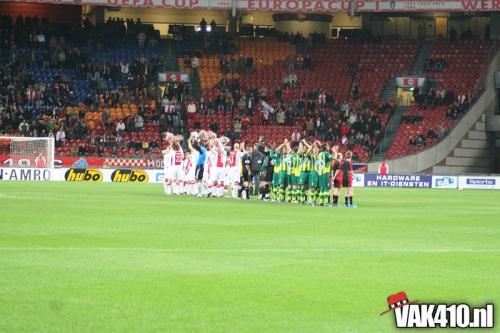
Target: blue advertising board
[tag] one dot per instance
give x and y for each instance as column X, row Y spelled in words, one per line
column 398, row 180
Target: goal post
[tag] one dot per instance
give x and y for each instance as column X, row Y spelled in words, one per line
column 27, row 152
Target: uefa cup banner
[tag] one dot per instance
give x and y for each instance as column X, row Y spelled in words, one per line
column 331, row 6
column 398, row 180
column 479, row 182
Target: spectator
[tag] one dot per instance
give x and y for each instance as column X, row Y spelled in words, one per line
column 293, row 80
column 280, row 117
column 453, row 33
column 295, row 138
column 237, row 128
column 310, row 127
column 141, row 39
column 195, row 64
column 442, row 132
column 203, row 25
column 344, row 108
column 138, row 123
column 249, row 63
column 191, row 109
column 60, row 137
column 355, row 92
column 24, row 128
column 145, row 146
column 120, row 128
column 213, row 26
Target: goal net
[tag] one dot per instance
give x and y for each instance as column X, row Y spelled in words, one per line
column 25, row 152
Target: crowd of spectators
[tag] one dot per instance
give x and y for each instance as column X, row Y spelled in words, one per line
column 420, row 140
column 47, row 69
column 434, row 97
column 322, row 117
column 458, row 107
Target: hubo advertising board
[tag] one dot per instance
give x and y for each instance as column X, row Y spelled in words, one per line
column 129, row 176
column 83, row 175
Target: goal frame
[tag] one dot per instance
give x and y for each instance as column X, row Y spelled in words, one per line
column 49, row 153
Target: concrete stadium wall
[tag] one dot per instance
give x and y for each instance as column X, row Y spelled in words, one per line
column 428, row 158
column 303, row 27
column 55, row 13
column 408, row 27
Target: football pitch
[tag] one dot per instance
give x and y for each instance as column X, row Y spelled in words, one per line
column 80, row 257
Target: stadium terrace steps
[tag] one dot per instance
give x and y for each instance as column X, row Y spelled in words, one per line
column 466, row 152
column 171, row 47
column 423, row 53
column 477, row 135
column 388, row 94
column 471, row 155
column 389, row 90
column 474, row 144
column 480, row 126
column 390, row 132
column 196, row 90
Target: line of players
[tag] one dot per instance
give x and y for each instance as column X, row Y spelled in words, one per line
column 206, row 168
column 308, row 173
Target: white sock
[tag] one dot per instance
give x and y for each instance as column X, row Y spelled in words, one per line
column 234, row 191
column 168, row 188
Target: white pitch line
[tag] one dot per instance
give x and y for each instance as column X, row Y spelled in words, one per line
column 277, row 250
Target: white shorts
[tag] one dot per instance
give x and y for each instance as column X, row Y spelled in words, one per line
column 167, row 174
column 218, row 174
column 176, row 173
column 234, row 175
column 190, row 176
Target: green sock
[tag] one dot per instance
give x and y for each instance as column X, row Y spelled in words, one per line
column 312, row 196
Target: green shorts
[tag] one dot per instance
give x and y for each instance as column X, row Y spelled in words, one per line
column 324, row 182
column 293, row 180
column 275, row 179
column 313, row 179
column 304, row 178
column 282, row 178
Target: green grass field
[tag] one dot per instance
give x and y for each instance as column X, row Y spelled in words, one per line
column 77, row 257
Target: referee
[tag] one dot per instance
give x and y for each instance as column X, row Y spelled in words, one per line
column 246, row 175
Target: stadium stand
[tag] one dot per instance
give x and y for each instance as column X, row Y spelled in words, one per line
column 313, row 69
column 458, row 83
column 101, row 98
column 76, row 86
